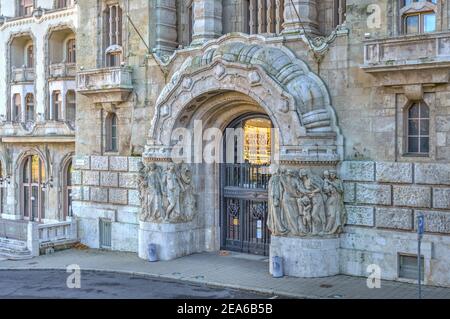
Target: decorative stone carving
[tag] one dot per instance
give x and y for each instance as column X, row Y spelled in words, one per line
column 303, row 204
column 166, row 196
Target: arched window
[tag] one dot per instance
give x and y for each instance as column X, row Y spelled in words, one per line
column 29, row 108
column 67, row 192
column 33, row 190
column 418, row 16
column 30, row 56
column 71, row 56
column 71, row 105
column 16, row 108
column 418, row 141
column 111, row 133
column 56, row 106
column 113, row 35
column 26, row 7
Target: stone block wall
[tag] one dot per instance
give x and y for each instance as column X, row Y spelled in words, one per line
column 390, row 195
column 106, row 179
column 383, row 200
column 105, row 188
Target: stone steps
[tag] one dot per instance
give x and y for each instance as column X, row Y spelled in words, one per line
column 14, row 249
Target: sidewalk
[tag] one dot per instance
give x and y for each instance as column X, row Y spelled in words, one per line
column 233, row 271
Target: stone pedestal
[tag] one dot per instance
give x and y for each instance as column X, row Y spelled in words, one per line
column 172, row 240
column 307, row 257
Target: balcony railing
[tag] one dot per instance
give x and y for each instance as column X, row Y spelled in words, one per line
column 23, row 75
column 54, row 233
column 407, row 52
column 105, row 79
column 117, row 82
column 63, row 70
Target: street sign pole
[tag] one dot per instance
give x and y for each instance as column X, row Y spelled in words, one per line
column 420, row 231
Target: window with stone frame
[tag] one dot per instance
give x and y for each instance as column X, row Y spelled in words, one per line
column 112, row 34
column 56, row 113
column 30, row 56
column 16, row 113
column 33, row 188
column 418, row 129
column 340, row 12
column 418, row 16
column 29, row 108
column 71, row 54
column 25, row 8
column 111, row 131
column 71, row 107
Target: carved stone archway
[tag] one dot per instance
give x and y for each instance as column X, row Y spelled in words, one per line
column 225, row 81
column 294, row 98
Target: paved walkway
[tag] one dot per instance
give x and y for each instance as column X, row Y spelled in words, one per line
column 232, row 271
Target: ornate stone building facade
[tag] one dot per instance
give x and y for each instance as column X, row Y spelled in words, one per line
column 348, row 102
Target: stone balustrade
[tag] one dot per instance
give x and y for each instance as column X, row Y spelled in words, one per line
column 407, row 52
column 63, row 70
column 57, row 232
column 23, row 75
column 117, row 82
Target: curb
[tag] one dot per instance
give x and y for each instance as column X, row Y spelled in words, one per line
column 212, row 284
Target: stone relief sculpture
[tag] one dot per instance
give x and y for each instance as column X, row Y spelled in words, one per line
column 304, row 204
column 167, row 196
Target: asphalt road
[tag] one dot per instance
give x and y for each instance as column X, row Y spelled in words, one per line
column 52, row 284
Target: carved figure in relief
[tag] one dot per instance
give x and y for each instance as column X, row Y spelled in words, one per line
column 275, row 219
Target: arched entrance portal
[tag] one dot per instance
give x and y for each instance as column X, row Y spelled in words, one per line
column 244, row 179
column 229, row 84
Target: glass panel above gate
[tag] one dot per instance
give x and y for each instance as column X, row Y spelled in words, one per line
column 257, row 141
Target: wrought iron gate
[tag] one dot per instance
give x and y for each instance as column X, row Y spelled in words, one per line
column 244, row 208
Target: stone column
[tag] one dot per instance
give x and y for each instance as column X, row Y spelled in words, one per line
column 307, row 11
column 166, row 26
column 207, row 20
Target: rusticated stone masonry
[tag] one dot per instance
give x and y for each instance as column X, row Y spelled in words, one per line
column 389, row 195
column 106, row 179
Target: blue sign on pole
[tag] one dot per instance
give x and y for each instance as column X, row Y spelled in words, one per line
column 421, row 225
column 420, row 232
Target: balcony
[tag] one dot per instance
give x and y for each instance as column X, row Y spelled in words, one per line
column 409, row 52
column 63, row 70
column 40, row 131
column 23, row 74
column 108, row 85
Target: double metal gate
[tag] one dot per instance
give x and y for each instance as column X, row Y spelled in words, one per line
column 244, row 208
